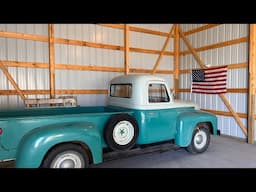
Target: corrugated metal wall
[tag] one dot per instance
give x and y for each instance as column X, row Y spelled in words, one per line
column 237, row 78
column 27, row 50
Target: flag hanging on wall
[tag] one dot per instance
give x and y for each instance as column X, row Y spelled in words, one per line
column 209, row 81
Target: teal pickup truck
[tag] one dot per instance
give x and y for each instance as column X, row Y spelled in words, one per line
column 140, row 111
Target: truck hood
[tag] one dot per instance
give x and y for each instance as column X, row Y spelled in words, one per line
column 182, row 103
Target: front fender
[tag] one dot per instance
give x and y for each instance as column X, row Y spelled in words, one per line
column 187, row 122
column 36, row 143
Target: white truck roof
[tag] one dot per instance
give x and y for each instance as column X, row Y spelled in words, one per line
column 139, row 99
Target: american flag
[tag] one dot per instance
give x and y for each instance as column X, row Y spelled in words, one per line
column 209, row 81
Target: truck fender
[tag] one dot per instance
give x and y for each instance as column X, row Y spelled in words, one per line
column 35, row 144
column 186, row 123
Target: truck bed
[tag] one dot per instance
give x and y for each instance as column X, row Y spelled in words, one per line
column 35, row 112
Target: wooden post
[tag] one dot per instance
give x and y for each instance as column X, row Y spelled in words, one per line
column 222, row 96
column 126, row 49
column 163, row 50
column 9, row 77
column 51, row 60
column 176, row 60
column 252, row 78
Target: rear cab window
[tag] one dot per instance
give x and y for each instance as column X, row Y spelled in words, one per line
column 121, row 90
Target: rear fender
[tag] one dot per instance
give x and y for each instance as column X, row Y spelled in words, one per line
column 35, row 144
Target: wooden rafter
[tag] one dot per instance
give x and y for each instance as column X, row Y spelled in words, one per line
column 202, row 28
column 222, row 96
column 252, row 79
column 230, row 66
column 232, row 90
column 126, row 49
column 107, row 46
column 190, row 47
column 137, row 29
column 51, row 61
column 80, row 67
column 14, row 84
column 163, row 50
column 225, row 113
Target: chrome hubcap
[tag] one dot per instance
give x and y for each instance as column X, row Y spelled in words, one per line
column 68, row 160
column 200, row 139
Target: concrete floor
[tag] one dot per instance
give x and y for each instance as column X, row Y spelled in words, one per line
column 222, row 153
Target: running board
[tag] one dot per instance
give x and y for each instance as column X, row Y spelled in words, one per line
column 107, row 156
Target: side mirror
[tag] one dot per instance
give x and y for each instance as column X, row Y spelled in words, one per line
column 173, row 95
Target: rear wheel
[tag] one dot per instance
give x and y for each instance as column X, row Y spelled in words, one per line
column 200, row 140
column 66, row 156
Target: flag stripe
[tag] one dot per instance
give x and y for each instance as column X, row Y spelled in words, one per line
column 210, row 83
column 215, row 74
column 210, row 88
column 202, row 92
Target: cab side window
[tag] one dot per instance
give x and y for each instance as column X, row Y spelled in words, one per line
column 157, row 93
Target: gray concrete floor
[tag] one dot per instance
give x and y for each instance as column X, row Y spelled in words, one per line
column 222, row 153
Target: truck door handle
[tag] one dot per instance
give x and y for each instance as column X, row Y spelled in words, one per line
column 151, row 113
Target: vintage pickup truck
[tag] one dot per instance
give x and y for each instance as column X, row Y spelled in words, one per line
column 140, row 111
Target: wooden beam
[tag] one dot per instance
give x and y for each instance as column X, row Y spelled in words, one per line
column 126, row 50
column 150, row 51
column 149, row 71
column 80, row 67
column 232, row 90
column 51, row 61
column 88, row 68
column 137, row 29
column 202, row 28
column 217, row 45
column 60, row 91
column 23, row 36
column 24, row 64
column 88, row 44
column 230, row 66
column 115, row 26
column 176, row 60
column 9, row 77
column 235, row 115
column 108, row 46
column 190, row 47
column 162, row 51
column 152, row 32
column 222, row 96
column 252, row 79
column 225, row 113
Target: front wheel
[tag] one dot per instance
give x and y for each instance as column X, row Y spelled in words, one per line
column 200, row 140
column 66, row 156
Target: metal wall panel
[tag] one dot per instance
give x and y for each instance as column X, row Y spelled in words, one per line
column 237, row 78
column 23, row 51
column 34, row 51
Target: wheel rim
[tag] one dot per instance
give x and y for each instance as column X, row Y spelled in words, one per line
column 69, row 159
column 123, row 132
column 200, row 139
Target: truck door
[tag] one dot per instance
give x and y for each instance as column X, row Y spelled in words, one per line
column 160, row 118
